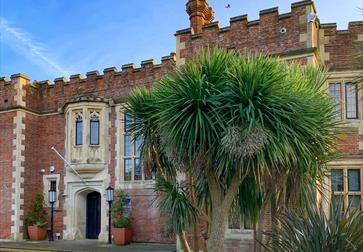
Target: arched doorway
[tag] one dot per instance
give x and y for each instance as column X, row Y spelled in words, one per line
column 93, row 215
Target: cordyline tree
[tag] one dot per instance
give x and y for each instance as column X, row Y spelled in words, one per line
column 220, row 128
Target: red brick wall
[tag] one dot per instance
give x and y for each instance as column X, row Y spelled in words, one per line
column 32, row 176
column 147, row 224
column 7, row 93
column 114, row 85
column 348, row 143
column 112, row 145
column 6, row 168
column 341, row 45
column 41, row 133
column 261, row 35
column 53, row 134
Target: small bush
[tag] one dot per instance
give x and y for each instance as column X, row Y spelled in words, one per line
column 37, row 216
column 120, row 217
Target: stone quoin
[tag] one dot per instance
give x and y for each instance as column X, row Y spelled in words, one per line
column 82, row 118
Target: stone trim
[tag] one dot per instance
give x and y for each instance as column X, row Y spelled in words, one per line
column 46, row 185
column 17, row 195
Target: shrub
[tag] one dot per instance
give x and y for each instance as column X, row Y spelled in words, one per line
column 37, row 216
column 120, row 217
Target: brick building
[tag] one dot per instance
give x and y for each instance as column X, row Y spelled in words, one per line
column 83, row 119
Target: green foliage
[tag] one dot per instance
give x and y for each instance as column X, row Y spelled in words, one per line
column 176, row 204
column 313, row 230
column 37, row 216
column 120, row 218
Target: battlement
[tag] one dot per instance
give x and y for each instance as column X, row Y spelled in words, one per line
column 353, row 26
column 146, row 65
column 273, row 33
column 338, row 47
column 266, row 16
column 51, row 95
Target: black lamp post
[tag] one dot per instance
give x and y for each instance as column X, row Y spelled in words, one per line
column 52, row 198
column 109, row 199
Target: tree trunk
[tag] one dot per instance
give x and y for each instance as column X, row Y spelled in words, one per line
column 221, row 204
column 215, row 242
column 184, row 243
column 196, row 228
column 259, row 229
column 196, row 231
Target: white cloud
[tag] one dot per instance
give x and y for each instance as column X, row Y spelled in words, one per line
column 35, row 52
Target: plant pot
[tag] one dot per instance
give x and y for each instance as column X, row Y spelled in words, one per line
column 37, row 233
column 122, row 236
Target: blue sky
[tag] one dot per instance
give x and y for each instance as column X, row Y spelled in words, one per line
column 46, row 39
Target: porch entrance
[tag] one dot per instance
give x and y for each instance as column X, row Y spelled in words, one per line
column 93, row 217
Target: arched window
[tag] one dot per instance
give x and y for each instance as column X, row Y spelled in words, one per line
column 94, row 130
column 79, row 130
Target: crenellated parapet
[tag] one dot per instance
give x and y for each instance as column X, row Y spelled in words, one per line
column 338, row 47
column 12, row 92
column 272, row 33
column 47, row 96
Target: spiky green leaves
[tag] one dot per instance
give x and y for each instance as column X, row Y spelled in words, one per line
column 287, row 118
column 176, row 204
column 313, row 230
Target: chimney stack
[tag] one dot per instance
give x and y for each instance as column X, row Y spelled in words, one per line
column 199, row 14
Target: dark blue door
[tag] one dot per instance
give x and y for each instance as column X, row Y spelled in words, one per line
column 93, row 223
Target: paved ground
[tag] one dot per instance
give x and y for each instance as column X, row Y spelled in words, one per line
column 82, row 245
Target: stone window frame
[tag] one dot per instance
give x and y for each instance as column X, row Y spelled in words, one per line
column 343, row 97
column 94, row 114
column 356, row 100
column 46, row 186
column 346, row 193
column 119, row 172
column 78, row 119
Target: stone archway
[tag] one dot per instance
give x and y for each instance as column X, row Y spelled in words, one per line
column 75, row 206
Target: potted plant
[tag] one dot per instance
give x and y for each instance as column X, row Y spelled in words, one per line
column 36, row 219
column 121, row 219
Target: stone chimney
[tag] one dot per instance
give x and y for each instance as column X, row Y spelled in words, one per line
column 199, row 14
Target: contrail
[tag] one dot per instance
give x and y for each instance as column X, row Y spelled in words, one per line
column 34, row 51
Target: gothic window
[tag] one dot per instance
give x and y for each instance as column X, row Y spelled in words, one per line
column 351, row 101
column 79, row 130
column 94, row 129
column 335, row 93
column 131, row 154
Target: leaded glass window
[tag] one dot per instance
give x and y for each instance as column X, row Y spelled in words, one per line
column 337, row 183
column 79, row 131
column 354, row 180
column 133, row 169
column 95, row 130
column 351, row 101
column 335, row 93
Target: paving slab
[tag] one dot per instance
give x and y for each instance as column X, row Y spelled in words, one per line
column 82, row 245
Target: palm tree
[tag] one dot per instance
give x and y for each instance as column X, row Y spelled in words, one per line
column 229, row 122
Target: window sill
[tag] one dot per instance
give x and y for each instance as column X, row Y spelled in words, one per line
column 135, row 184
column 239, row 234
